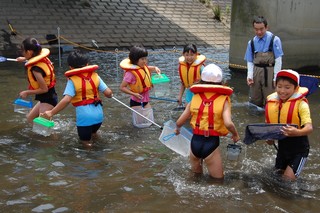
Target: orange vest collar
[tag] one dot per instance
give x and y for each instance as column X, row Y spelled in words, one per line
column 44, row 53
column 200, row 88
column 86, row 69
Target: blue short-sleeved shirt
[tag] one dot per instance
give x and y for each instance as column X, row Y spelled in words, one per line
column 189, row 94
column 262, row 45
column 90, row 114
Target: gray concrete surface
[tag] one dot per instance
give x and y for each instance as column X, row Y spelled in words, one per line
column 114, row 23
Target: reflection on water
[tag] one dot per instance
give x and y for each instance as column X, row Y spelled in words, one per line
column 129, row 169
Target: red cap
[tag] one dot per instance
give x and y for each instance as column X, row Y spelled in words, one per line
column 290, row 74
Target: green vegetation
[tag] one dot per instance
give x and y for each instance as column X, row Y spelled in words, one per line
column 228, row 10
column 216, row 9
column 217, row 12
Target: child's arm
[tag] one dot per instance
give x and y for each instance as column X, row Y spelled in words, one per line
column 291, row 131
column 154, row 69
column 182, row 88
column 43, row 88
column 21, row 59
column 103, row 87
column 108, row 93
column 60, row 106
column 123, row 88
column 182, row 119
column 226, row 114
column 306, row 123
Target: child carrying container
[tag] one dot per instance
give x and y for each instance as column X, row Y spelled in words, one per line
column 210, row 112
column 41, row 77
column 82, row 90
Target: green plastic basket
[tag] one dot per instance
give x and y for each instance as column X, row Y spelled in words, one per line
column 159, row 79
column 44, row 122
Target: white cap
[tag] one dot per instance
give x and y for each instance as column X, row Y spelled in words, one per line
column 211, row 73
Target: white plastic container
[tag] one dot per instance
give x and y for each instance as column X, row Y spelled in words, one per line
column 139, row 121
column 178, row 143
column 161, row 85
column 233, row 151
column 42, row 126
column 22, row 106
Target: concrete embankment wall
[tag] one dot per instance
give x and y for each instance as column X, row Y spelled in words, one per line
column 296, row 22
column 112, row 23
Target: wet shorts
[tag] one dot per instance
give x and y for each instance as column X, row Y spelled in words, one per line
column 49, row 97
column 202, row 146
column 51, row 101
column 295, row 161
column 85, row 132
column 135, row 103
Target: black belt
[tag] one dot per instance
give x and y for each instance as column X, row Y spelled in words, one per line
column 264, row 66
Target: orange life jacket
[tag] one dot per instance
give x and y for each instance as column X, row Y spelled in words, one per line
column 207, row 107
column 45, row 64
column 288, row 112
column 190, row 73
column 142, row 75
column 86, row 83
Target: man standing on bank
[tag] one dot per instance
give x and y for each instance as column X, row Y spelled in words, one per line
column 264, row 60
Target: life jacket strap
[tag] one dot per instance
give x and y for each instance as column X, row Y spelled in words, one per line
column 86, row 101
column 206, row 102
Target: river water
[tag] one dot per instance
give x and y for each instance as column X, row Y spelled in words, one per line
column 130, row 170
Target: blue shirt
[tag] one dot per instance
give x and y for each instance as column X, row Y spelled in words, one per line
column 190, row 94
column 90, row 114
column 262, row 45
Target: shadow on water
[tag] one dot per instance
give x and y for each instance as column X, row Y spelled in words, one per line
column 129, row 169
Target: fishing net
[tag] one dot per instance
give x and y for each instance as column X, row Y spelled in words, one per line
column 2, row 59
column 262, row 131
column 178, row 143
column 142, row 122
